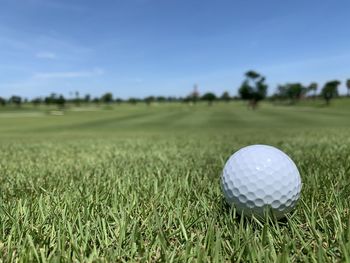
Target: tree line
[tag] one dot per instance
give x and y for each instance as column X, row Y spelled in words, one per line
column 253, row 90
column 108, row 98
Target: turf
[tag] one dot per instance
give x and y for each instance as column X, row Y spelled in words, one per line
column 142, row 183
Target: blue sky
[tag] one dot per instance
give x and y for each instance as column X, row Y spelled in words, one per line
column 163, row 47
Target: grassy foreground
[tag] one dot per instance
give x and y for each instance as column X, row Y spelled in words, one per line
column 138, row 183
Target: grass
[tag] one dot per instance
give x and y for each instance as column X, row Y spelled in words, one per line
column 138, row 183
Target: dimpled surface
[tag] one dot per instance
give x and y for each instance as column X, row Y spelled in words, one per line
column 261, row 177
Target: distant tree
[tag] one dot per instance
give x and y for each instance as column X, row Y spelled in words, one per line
column 36, row 102
column 60, row 101
column 133, row 101
column 53, row 99
column 171, row 99
column 186, row 99
column 107, row 98
column 50, row 100
column 291, row 91
column 96, row 100
column 149, row 100
column 17, row 100
column 118, row 100
column 253, row 88
column 209, row 97
column 313, row 88
column 282, row 92
column 2, row 101
column 330, row 90
column 295, row 91
column 87, row 98
column 348, row 86
column 47, row 101
column 161, row 99
column 225, row 96
column 77, row 99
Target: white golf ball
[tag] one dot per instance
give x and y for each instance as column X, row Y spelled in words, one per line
column 258, row 178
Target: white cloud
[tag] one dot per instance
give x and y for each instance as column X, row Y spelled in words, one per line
column 68, row 74
column 46, row 55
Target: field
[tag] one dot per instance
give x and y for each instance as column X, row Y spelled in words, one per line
column 142, row 183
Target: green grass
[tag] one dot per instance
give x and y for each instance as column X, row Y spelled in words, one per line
column 138, row 183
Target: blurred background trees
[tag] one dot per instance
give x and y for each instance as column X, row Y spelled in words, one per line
column 16, row 100
column 253, row 88
column 225, row 96
column 2, row 101
column 330, row 90
column 292, row 92
column 313, row 89
column 209, row 97
column 107, row 98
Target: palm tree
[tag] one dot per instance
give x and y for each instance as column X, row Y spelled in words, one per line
column 348, row 86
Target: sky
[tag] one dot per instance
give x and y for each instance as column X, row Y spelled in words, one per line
column 136, row 48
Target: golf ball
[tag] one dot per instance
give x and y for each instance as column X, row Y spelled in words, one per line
column 260, row 177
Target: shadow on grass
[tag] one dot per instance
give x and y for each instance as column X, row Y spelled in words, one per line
column 224, row 209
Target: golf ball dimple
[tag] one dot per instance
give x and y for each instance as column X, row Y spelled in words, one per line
column 258, row 178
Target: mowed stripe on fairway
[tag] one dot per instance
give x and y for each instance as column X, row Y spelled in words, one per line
column 174, row 118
